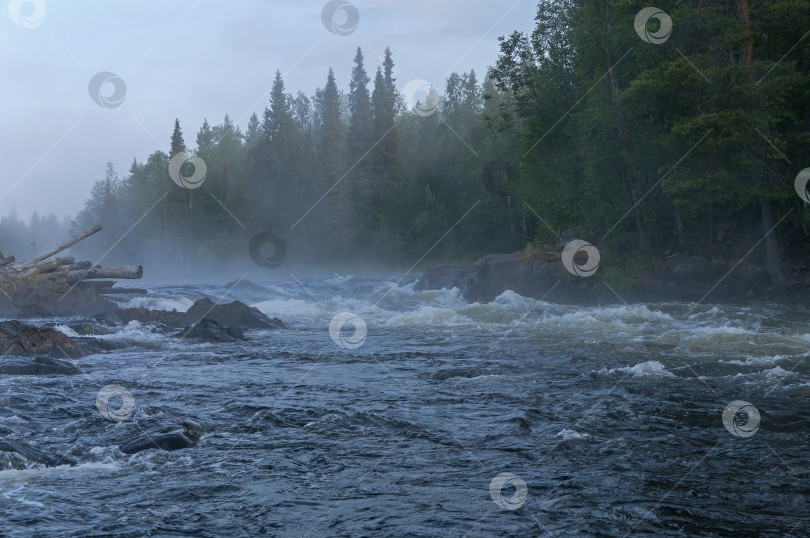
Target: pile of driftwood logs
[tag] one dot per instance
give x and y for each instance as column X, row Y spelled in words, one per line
column 31, row 286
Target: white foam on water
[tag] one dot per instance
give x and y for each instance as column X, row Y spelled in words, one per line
column 754, row 361
column 429, row 315
column 38, row 469
column 713, row 311
column 134, row 330
column 606, row 322
column 290, row 307
column 180, row 304
column 778, row 373
column 568, row 435
column 67, row 331
column 719, row 330
column 645, row 369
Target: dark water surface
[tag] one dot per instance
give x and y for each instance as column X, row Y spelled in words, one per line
column 611, row 416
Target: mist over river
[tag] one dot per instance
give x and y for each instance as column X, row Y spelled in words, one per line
column 607, row 420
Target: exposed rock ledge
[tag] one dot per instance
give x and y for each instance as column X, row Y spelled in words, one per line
column 540, row 274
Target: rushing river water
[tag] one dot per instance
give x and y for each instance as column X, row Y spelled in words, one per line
column 608, row 420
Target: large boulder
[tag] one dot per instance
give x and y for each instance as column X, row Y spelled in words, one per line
column 37, row 366
column 235, row 314
column 19, row 339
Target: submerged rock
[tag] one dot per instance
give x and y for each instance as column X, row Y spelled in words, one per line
column 38, row 366
column 18, row 455
column 172, row 437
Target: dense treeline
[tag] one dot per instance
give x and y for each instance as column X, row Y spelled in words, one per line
column 645, row 149
column 340, row 176
column 689, row 145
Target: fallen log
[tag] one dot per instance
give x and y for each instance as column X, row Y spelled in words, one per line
column 41, row 267
column 62, row 247
column 100, row 272
column 79, row 265
column 47, row 285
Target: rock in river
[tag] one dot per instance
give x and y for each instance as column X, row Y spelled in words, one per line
column 235, row 314
column 172, row 437
column 19, row 339
column 18, row 455
column 37, row 366
column 212, row 331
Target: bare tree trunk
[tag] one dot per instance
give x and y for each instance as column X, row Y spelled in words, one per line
column 100, row 273
column 61, row 247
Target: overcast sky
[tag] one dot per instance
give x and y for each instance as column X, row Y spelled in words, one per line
column 195, row 59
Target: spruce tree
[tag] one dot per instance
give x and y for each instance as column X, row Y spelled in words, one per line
column 252, row 132
column 205, row 139
column 359, row 109
column 335, row 215
column 177, row 145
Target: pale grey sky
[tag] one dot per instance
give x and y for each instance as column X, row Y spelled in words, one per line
column 195, row 59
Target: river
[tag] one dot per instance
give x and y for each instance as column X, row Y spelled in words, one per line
column 511, row 418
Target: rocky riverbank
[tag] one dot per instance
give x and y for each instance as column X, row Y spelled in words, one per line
column 541, row 274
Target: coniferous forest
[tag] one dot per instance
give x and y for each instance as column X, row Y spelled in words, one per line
column 642, row 148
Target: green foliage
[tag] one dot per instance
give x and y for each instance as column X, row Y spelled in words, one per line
column 580, row 124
